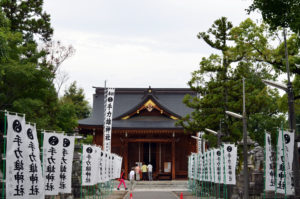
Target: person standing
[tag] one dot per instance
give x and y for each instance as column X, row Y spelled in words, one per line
column 137, row 172
column 150, row 168
column 131, row 178
column 121, row 179
column 144, row 171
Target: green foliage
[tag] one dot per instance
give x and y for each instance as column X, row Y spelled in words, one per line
column 71, row 107
column 28, row 18
column 262, row 46
column 279, row 13
column 219, row 84
column 26, row 82
column 76, row 96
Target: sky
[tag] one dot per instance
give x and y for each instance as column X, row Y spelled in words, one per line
column 137, row 43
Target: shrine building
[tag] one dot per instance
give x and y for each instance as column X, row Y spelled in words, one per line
column 144, row 130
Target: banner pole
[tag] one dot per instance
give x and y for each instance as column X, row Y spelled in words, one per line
column 94, row 191
column 205, row 176
column 277, row 134
column 214, row 173
column 283, row 148
column 265, row 159
column 81, row 172
column 196, row 171
column 219, row 177
column 4, row 155
column 211, row 186
column 224, row 171
column 194, row 186
column 42, row 151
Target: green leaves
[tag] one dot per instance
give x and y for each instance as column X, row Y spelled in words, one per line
column 218, row 81
column 26, row 80
column 279, row 13
column 28, row 18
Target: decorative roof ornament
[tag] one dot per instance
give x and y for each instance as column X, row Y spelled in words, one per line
column 149, row 107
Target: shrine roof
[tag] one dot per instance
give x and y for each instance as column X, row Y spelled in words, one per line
column 128, row 100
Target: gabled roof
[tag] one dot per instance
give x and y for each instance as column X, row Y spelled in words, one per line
column 149, row 100
column 129, row 100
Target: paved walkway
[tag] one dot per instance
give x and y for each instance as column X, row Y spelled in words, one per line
column 152, row 195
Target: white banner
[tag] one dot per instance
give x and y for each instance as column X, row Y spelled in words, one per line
column 189, row 166
column 207, row 166
column 109, row 95
column 117, row 164
column 219, row 175
column 199, row 167
column 105, row 167
column 193, row 160
column 269, row 165
column 15, row 157
column 101, row 167
column 110, row 166
column 52, row 155
column 34, row 169
column 65, row 176
column 97, row 155
column 285, row 149
column 199, row 141
column 118, row 172
column 23, row 164
column 213, row 165
column 89, row 165
column 210, row 166
column 230, row 156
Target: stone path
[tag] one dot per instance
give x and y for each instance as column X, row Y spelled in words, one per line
column 152, row 195
column 159, row 190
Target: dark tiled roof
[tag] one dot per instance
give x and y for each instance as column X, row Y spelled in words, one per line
column 127, row 99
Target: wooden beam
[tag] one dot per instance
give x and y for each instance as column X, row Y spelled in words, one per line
column 149, row 140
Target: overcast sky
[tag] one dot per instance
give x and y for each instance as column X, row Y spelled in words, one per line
column 137, row 43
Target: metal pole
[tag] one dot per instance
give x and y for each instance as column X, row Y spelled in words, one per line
column 81, row 172
column 219, row 134
column 245, row 147
column 4, row 155
column 292, row 121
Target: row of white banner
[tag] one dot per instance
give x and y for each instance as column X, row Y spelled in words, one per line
column 27, row 177
column 215, row 165
column 280, row 179
column 99, row 166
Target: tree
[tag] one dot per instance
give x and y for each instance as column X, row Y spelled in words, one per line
column 279, row 13
column 28, row 18
column 218, row 82
column 265, row 46
column 24, row 84
column 72, row 107
column 76, row 96
column 57, row 53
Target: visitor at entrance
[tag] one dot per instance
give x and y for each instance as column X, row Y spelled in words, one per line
column 144, row 171
column 131, row 178
column 121, row 179
column 149, row 167
column 137, row 172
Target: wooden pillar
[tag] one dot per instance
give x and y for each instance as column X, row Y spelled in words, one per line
column 157, row 157
column 173, row 159
column 125, row 156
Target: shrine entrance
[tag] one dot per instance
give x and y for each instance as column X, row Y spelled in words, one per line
column 156, row 153
column 141, row 152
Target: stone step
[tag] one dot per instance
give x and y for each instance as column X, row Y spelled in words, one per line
column 117, row 195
